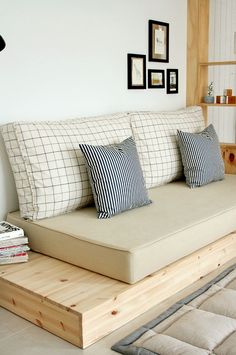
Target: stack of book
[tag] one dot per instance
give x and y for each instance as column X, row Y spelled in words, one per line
column 13, row 244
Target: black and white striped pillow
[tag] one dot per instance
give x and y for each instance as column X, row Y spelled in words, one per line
column 201, row 156
column 116, row 177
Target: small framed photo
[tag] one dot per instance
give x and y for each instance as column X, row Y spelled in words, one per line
column 172, row 81
column 136, row 71
column 156, row 79
column 158, row 38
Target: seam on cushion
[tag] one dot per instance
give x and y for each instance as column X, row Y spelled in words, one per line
column 10, row 157
column 137, row 137
column 130, row 251
column 185, row 228
column 222, row 342
column 131, row 268
column 234, row 279
column 210, row 296
column 17, row 128
column 178, row 318
column 190, row 109
column 83, row 239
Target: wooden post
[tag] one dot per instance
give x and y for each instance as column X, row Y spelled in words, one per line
column 197, row 51
column 192, row 53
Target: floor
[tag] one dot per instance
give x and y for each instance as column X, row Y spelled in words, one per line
column 18, row 336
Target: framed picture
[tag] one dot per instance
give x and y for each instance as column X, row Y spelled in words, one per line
column 156, row 79
column 172, row 81
column 158, row 37
column 136, row 71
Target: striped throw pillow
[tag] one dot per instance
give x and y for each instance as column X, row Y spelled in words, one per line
column 201, row 157
column 116, row 177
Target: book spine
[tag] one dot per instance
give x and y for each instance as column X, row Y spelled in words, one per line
column 11, row 235
column 13, row 250
column 13, row 242
column 9, row 231
column 13, row 260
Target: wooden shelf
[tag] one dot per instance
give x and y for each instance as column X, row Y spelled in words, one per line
column 225, row 105
column 230, row 62
column 228, row 144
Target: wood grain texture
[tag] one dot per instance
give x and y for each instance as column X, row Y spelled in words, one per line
column 82, row 307
column 229, row 156
column 225, row 105
column 192, row 53
column 197, row 52
column 42, row 313
column 227, row 62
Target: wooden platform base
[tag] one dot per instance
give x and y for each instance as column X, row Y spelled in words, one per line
column 81, row 306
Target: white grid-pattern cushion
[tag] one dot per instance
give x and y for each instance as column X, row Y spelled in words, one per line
column 48, row 166
column 155, row 134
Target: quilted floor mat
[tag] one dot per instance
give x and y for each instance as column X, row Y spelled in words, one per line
column 202, row 323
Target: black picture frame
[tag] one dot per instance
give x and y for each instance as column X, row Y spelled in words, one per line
column 136, row 66
column 156, row 79
column 158, row 40
column 172, row 81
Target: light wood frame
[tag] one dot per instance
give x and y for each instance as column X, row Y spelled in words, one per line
column 82, row 307
column 197, row 51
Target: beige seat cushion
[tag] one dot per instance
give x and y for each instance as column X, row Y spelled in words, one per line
column 137, row 243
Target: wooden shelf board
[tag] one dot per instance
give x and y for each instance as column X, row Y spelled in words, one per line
column 230, row 62
column 81, row 306
column 225, row 144
column 225, row 105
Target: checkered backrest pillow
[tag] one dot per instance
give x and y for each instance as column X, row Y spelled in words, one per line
column 48, row 166
column 155, row 134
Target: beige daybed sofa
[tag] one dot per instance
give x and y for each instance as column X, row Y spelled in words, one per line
column 139, row 242
column 136, row 243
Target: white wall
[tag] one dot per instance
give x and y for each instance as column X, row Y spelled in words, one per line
column 67, row 58
column 221, row 48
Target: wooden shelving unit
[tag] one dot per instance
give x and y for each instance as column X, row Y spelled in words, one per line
column 197, row 69
column 229, row 62
column 228, row 150
column 202, row 79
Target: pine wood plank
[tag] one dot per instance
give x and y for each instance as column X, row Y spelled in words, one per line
column 226, row 105
column 81, row 306
column 36, row 309
column 197, row 51
column 192, row 53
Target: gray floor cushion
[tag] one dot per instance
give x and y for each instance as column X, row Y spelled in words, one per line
column 200, row 324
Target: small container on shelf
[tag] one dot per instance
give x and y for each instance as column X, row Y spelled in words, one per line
column 227, row 98
column 230, row 100
column 209, row 98
column 221, row 99
column 228, row 92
